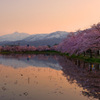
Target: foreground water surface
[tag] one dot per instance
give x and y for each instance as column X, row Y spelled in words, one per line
column 47, row 77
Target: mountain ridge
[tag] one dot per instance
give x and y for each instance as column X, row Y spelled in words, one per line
column 57, row 34
column 13, row 37
column 33, row 40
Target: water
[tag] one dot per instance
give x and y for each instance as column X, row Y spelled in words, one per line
column 47, row 77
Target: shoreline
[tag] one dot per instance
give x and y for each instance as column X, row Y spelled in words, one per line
column 80, row 57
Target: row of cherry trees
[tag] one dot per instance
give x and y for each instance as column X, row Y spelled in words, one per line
column 26, row 48
column 81, row 41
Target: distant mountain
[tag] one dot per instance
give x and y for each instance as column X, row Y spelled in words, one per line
column 57, row 34
column 50, row 42
column 33, row 40
column 13, row 37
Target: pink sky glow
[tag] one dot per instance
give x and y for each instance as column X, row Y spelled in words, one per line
column 45, row 16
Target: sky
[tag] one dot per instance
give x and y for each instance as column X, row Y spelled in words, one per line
column 46, row 16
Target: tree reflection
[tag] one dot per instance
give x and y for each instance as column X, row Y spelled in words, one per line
column 86, row 75
column 18, row 56
column 28, row 56
column 42, row 56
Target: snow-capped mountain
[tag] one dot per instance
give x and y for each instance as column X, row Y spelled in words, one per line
column 36, row 37
column 13, row 37
column 33, row 40
column 58, row 34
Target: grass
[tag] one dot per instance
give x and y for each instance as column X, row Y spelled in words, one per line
column 85, row 58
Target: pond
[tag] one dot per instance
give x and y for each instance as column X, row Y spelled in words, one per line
column 47, row 77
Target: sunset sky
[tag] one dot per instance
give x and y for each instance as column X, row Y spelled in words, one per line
column 45, row 16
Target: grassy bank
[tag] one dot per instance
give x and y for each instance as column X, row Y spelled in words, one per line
column 85, row 58
column 80, row 57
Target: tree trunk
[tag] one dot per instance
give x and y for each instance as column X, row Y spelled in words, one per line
column 90, row 53
column 84, row 53
column 98, row 53
column 95, row 54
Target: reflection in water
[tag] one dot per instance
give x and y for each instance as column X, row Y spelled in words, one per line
column 18, row 60
column 74, row 80
column 86, row 75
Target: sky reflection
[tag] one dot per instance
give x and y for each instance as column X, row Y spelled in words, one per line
column 36, row 83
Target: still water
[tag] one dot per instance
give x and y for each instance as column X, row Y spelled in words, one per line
column 47, row 77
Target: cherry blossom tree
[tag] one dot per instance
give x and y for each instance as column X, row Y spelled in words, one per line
column 39, row 48
column 45, row 48
column 82, row 41
column 53, row 47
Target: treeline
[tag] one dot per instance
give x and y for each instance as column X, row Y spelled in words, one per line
column 82, row 41
column 17, row 48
